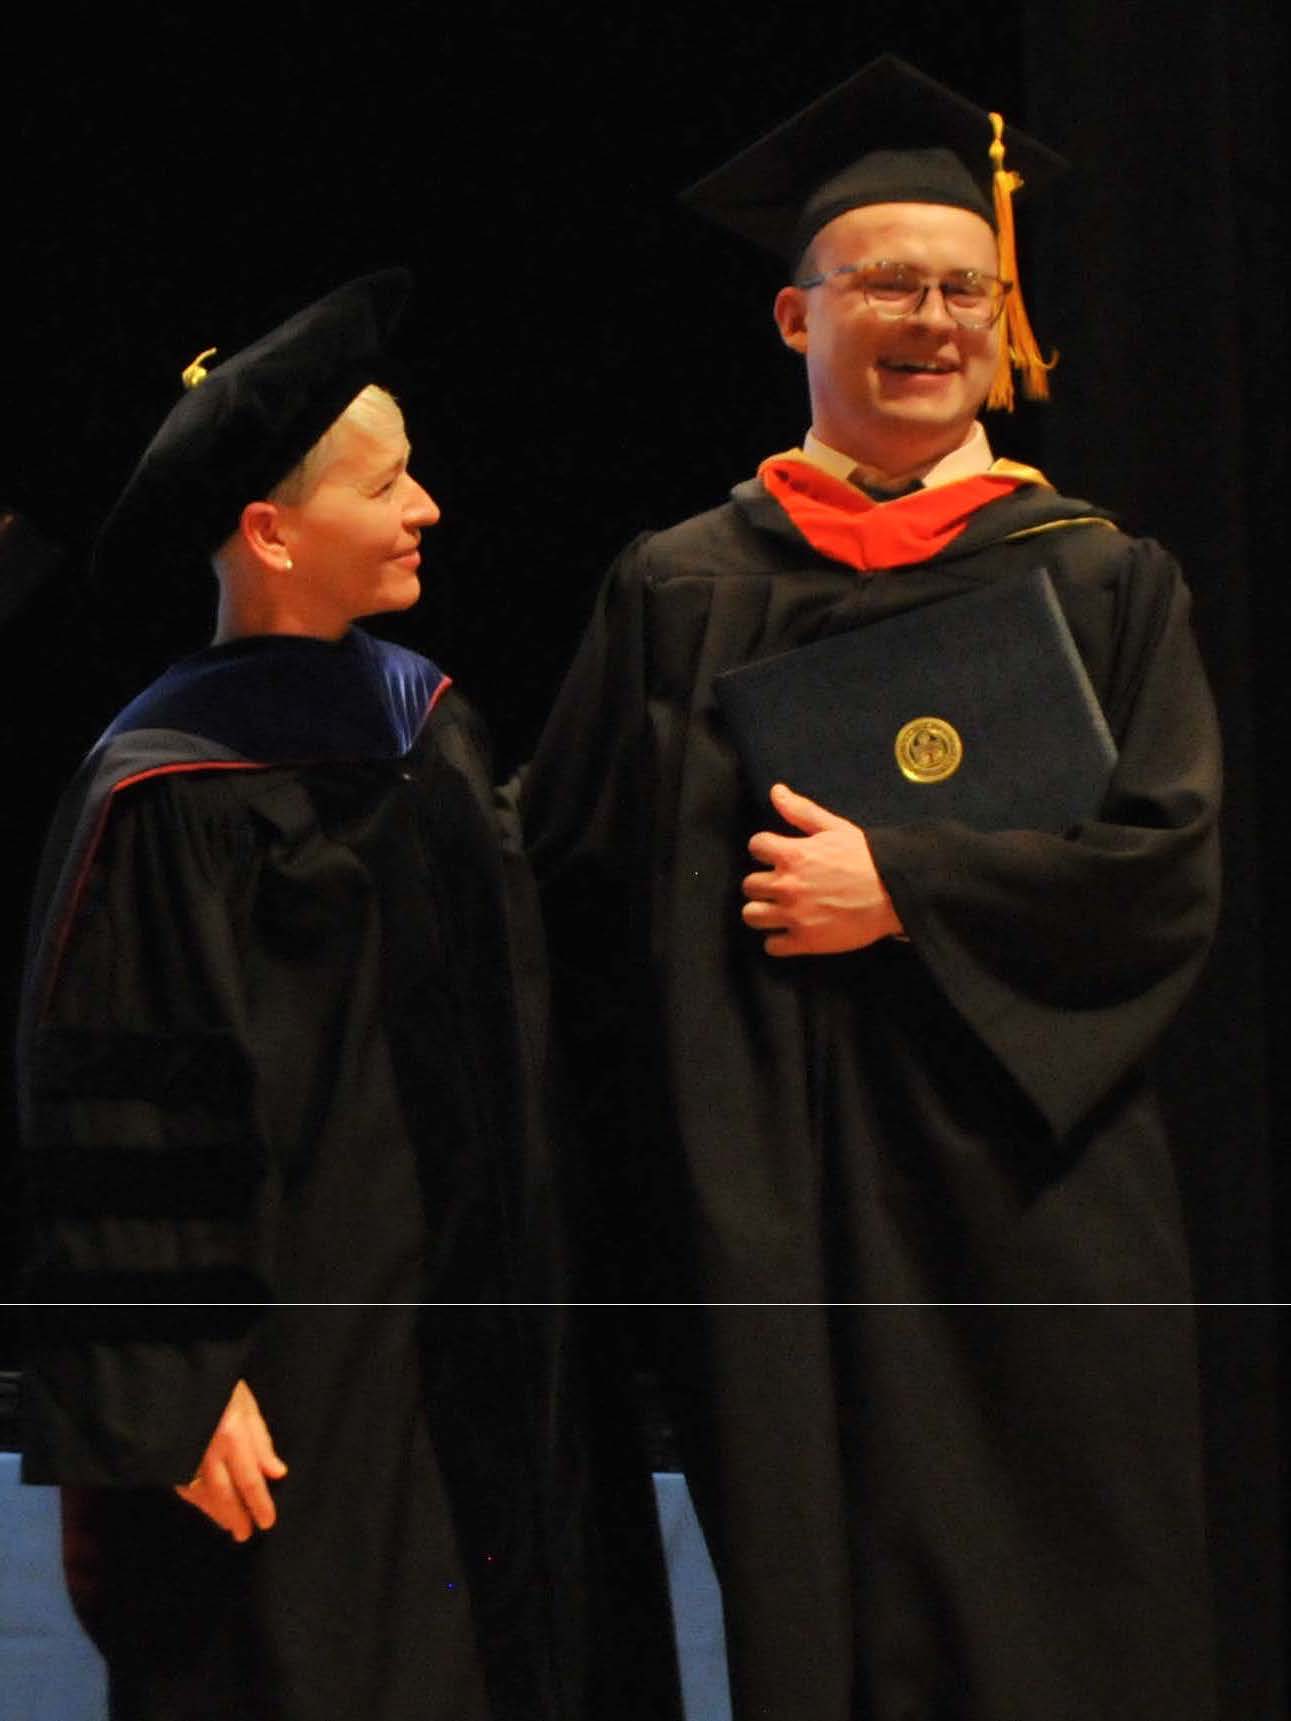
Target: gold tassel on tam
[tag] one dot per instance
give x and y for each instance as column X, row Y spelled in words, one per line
column 193, row 374
column 1018, row 346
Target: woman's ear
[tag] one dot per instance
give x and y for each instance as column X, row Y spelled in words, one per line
column 264, row 530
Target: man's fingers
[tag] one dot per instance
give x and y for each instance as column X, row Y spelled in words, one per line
column 801, row 813
column 823, row 895
column 771, row 847
column 784, row 944
column 761, row 886
column 806, row 816
column 764, row 916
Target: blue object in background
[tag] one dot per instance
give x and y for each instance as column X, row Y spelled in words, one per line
column 696, row 1603
column 49, row 1670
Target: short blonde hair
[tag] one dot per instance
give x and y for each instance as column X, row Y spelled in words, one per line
column 373, row 408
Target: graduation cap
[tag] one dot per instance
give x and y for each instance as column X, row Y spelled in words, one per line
column 242, row 425
column 887, row 134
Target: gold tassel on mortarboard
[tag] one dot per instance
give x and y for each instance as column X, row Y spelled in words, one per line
column 195, row 373
column 1019, row 346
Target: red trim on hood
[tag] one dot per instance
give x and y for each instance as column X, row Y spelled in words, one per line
column 846, row 525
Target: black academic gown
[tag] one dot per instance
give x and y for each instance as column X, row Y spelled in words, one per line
column 282, row 1029
column 949, row 1460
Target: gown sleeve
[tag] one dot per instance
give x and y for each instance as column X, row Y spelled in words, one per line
column 587, row 804
column 1069, row 954
column 576, row 794
column 150, row 1187
column 587, row 801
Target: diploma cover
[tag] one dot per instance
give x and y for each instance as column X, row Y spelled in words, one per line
column 976, row 709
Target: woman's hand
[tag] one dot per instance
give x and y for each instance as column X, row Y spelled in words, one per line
column 231, row 1484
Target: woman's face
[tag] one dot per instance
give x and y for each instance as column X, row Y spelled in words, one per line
column 353, row 541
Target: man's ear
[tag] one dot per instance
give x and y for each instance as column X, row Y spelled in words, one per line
column 790, row 313
column 261, row 529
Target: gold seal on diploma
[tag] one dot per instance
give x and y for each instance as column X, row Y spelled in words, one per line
column 928, row 750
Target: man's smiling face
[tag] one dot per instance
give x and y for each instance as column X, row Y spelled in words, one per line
column 894, row 394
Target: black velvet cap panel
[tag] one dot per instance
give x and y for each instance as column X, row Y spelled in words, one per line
column 231, row 438
column 887, row 134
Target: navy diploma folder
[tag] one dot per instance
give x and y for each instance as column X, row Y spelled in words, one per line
column 977, row 708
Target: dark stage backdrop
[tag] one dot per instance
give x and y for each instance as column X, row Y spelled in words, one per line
column 583, row 361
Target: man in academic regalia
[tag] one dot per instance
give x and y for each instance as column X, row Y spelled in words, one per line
column 884, row 1087
column 283, row 1021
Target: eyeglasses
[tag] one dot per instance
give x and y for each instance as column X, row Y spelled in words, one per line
column 896, row 290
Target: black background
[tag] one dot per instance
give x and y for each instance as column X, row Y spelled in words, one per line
column 583, row 360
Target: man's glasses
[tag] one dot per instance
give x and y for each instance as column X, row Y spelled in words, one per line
column 895, row 290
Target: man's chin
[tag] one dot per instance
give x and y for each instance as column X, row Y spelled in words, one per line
column 943, row 425
column 943, row 403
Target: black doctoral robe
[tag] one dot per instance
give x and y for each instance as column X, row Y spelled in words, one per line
column 949, row 1460
column 283, row 1029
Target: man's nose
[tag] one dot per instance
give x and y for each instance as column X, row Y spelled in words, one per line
column 933, row 309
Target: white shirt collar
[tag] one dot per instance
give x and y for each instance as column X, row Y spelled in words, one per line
column 973, row 456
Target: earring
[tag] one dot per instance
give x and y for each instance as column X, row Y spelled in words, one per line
column 288, row 565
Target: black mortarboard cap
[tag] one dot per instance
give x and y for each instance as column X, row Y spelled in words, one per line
column 887, row 134
column 243, row 425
